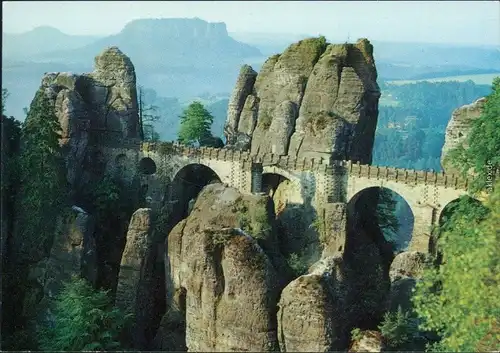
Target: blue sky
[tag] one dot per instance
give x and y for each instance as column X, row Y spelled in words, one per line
column 465, row 22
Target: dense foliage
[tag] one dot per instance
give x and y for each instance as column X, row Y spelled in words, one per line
column 195, row 124
column 459, row 299
column 41, row 178
column 84, row 319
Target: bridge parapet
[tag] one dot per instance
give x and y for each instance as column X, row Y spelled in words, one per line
column 400, row 175
column 403, row 175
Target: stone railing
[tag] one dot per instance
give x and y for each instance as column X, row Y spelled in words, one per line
column 406, row 176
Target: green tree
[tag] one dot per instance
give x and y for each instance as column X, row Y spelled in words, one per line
column 459, row 300
column 398, row 328
column 482, row 154
column 195, row 124
column 42, row 179
column 84, row 319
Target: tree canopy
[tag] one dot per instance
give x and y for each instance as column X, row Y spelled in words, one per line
column 459, row 300
column 196, row 122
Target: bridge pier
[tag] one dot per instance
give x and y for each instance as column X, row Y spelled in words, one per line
column 424, row 218
column 256, row 171
column 335, row 217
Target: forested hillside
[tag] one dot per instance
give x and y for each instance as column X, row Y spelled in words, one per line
column 413, row 118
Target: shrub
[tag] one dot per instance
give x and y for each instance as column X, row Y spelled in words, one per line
column 84, row 319
column 356, row 334
column 298, row 264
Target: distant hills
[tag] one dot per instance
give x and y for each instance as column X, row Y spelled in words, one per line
column 176, row 57
column 183, row 58
column 38, row 41
column 165, row 43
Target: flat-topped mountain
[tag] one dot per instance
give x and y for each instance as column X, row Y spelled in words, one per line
column 167, row 42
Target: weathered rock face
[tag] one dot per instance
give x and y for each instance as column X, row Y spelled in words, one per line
column 224, row 279
column 406, row 268
column 407, row 264
column 458, row 130
column 315, row 99
column 73, row 253
column 244, row 87
column 136, row 289
column 138, row 242
column 311, row 316
column 369, row 341
column 94, row 109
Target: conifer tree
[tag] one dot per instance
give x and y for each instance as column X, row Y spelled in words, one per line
column 41, row 179
column 84, row 319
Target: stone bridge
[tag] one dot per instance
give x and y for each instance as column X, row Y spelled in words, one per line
column 329, row 186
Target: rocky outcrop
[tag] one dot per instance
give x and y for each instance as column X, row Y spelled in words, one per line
column 136, row 280
column 315, row 99
column 94, row 109
column 406, row 268
column 73, row 253
column 136, row 247
column 458, row 129
column 367, row 341
column 224, row 265
column 244, row 87
column 311, row 316
column 407, row 264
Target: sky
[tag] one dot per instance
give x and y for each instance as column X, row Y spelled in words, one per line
column 454, row 22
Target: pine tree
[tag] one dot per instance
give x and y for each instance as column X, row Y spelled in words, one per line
column 195, row 124
column 85, row 319
column 42, row 179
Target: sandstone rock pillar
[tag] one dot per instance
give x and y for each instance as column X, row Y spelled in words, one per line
column 335, row 217
column 423, row 221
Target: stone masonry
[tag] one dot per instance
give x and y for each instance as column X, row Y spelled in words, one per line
column 328, row 185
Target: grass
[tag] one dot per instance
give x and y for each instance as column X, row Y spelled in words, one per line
column 479, row 79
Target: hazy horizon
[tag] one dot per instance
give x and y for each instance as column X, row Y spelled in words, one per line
column 455, row 22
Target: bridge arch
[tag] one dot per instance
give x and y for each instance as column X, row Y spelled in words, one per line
column 397, row 229
column 186, row 184
column 147, row 166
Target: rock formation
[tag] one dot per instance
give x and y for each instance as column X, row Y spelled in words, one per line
column 458, row 129
column 368, row 341
column 311, row 316
column 315, row 99
column 94, row 109
column 137, row 287
column 73, row 253
column 224, row 264
column 406, row 268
